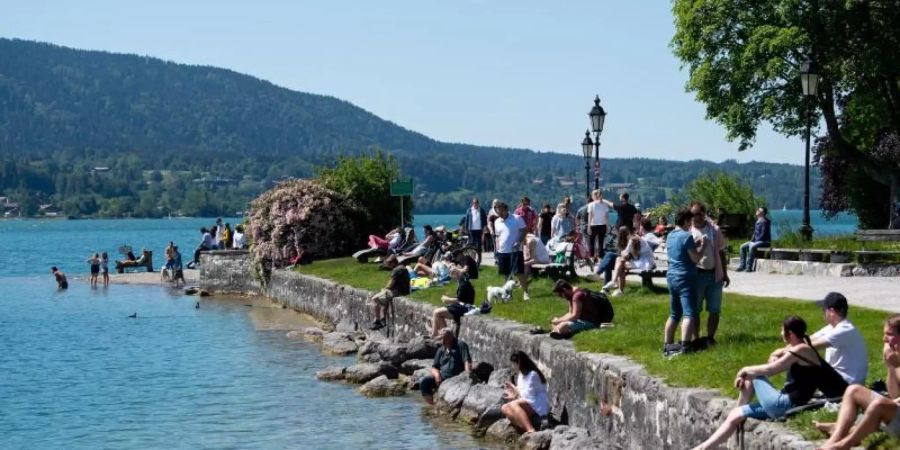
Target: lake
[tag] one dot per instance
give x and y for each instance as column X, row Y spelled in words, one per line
column 77, row 373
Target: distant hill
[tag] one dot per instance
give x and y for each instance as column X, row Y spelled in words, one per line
column 170, row 138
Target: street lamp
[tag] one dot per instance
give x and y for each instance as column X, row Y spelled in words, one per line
column 809, row 79
column 598, row 116
column 587, row 148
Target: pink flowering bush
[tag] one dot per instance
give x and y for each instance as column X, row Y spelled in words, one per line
column 300, row 214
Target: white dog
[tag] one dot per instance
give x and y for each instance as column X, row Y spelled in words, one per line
column 503, row 293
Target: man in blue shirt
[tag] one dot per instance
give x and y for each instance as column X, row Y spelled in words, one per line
column 762, row 236
column 683, row 254
column 451, row 359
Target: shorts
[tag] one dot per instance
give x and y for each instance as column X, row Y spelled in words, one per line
column 709, row 292
column 95, row 270
column 428, row 385
column 579, row 325
column 505, row 262
column 682, row 298
column 383, row 297
column 457, row 310
column 893, row 427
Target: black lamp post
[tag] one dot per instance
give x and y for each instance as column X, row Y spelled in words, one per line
column 809, row 79
column 587, row 148
column 598, row 116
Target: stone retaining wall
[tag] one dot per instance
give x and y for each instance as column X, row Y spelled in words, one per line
column 642, row 411
column 823, row 269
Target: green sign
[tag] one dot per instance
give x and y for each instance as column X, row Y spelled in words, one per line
column 401, row 188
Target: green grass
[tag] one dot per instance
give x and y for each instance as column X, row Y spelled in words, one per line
column 748, row 332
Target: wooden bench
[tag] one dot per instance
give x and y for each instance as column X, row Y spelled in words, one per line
column 878, row 235
column 556, row 271
column 660, row 271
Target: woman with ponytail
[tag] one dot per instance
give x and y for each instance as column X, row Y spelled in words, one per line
column 797, row 358
column 877, row 409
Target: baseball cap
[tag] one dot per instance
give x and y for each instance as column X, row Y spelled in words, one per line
column 835, row 301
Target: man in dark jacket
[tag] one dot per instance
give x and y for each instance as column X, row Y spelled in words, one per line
column 625, row 212
column 762, row 237
column 475, row 223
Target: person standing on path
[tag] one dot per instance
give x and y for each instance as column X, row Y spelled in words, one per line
column 490, row 238
column 712, row 276
column 762, row 237
column 683, row 255
column 510, row 230
column 598, row 218
column 476, row 219
column 528, row 214
column 625, row 213
column 545, row 222
column 581, row 221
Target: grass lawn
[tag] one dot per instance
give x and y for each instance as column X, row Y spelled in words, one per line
column 748, row 332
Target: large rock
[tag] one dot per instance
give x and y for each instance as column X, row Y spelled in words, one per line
column 338, row 343
column 478, row 400
column 365, row 372
column 412, row 365
column 572, row 438
column 313, row 334
column 393, row 353
column 491, row 415
column 499, row 377
column 330, row 374
column 413, row 381
column 451, row 393
column 421, row 348
column 539, row 440
column 382, row 386
column 503, row 431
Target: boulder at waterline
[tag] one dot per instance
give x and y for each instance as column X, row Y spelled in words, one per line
column 451, row 393
column 410, row 366
column 413, row 381
column 491, row 415
column 383, row 386
column 573, row 438
column 421, row 347
column 539, row 440
column 313, row 334
column 330, row 374
column 503, row 431
column 364, row 372
column 338, row 343
column 478, row 400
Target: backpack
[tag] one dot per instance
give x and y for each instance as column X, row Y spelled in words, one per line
column 600, row 305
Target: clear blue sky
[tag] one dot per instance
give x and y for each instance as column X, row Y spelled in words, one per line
column 505, row 73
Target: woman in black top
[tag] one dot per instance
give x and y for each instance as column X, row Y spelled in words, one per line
column 545, row 220
column 803, row 366
column 456, row 307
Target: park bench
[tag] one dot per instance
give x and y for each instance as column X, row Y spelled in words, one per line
column 877, row 235
column 566, row 269
column 660, row 271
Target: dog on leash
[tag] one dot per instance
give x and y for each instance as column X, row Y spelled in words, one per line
column 502, row 293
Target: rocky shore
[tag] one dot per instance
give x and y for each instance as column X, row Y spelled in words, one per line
column 394, row 368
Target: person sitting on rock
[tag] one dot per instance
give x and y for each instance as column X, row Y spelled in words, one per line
column 451, row 359
column 456, row 306
column 528, row 397
column 398, row 284
column 585, row 311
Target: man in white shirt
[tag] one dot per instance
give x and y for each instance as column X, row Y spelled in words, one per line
column 475, row 222
column 844, row 347
column 509, row 230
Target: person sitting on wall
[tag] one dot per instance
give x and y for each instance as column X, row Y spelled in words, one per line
column 587, row 310
column 529, row 402
column 456, row 307
column 398, row 284
column 762, row 237
column 451, row 359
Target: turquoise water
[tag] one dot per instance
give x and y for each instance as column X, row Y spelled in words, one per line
column 76, row 373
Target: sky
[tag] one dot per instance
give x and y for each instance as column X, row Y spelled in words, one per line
column 503, row 73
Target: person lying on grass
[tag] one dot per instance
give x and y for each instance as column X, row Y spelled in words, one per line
column 528, row 397
column 804, row 373
column 585, row 311
column 456, row 306
column 877, row 409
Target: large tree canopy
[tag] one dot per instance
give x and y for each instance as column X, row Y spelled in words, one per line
column 744, row 56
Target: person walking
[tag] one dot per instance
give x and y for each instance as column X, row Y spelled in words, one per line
column 510, row 233
column 598, row 218
column 475, row 222
column 712, row 276
column 762, row 237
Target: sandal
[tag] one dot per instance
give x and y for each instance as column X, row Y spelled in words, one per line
column 537, row 330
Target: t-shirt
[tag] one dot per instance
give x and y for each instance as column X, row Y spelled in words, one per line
column 591, row 309
column 708, row 256
column 476, row 219
column 207, row 240
column 465, row 293
column 846, row 351
column 533, row 391
column 678, row 244
column 561, row 226
column 238, row 241
column 582, row 217
column 452, row 361
column 546, row 222
column 528, row 214
column 626, row 212
column 539, row 254
column 400, row 276
column 507, row 232
column 600, row 211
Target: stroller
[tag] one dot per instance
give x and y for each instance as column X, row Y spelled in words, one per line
column 407, row 242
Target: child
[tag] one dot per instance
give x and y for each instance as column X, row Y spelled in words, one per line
column 104, row 267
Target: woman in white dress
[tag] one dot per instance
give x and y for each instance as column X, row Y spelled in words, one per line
column 636, row 254
column 528, row 397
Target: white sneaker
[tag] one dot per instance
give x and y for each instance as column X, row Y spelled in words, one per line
column 525, row 296
column 618, row 293
column 472, row 312
column 609, row 285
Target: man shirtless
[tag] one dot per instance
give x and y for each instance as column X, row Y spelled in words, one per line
column 61, row 280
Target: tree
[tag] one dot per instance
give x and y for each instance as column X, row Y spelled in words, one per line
column 743, row 58
column 726, row 193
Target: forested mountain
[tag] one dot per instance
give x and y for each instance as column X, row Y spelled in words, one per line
column 97, row 133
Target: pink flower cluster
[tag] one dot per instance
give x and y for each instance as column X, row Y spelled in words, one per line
column 300, row 214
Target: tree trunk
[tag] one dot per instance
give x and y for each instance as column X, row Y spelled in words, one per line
column 894, row 213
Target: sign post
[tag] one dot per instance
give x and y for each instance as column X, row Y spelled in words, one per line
column 401, row 188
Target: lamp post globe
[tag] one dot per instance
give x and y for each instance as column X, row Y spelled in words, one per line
column 587, row 147
column 809, row 82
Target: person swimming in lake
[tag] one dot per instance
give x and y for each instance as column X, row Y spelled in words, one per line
column 94, row 261
column 61, row 280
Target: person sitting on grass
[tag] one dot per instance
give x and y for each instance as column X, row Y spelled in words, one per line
column 422, row 248
column 398, row 284
column 439, row 270
column 802, row 364
column 451, row 359
column 456, row 307
column 585, row 311
column 877, row 409
column 529, row 402
column 845, row 349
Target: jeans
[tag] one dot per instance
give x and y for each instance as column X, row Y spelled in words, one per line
column 710, row 290
column 748, row 250
column 770, row 403
column 595, row 239
column 682, row 296
column 607, row 264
